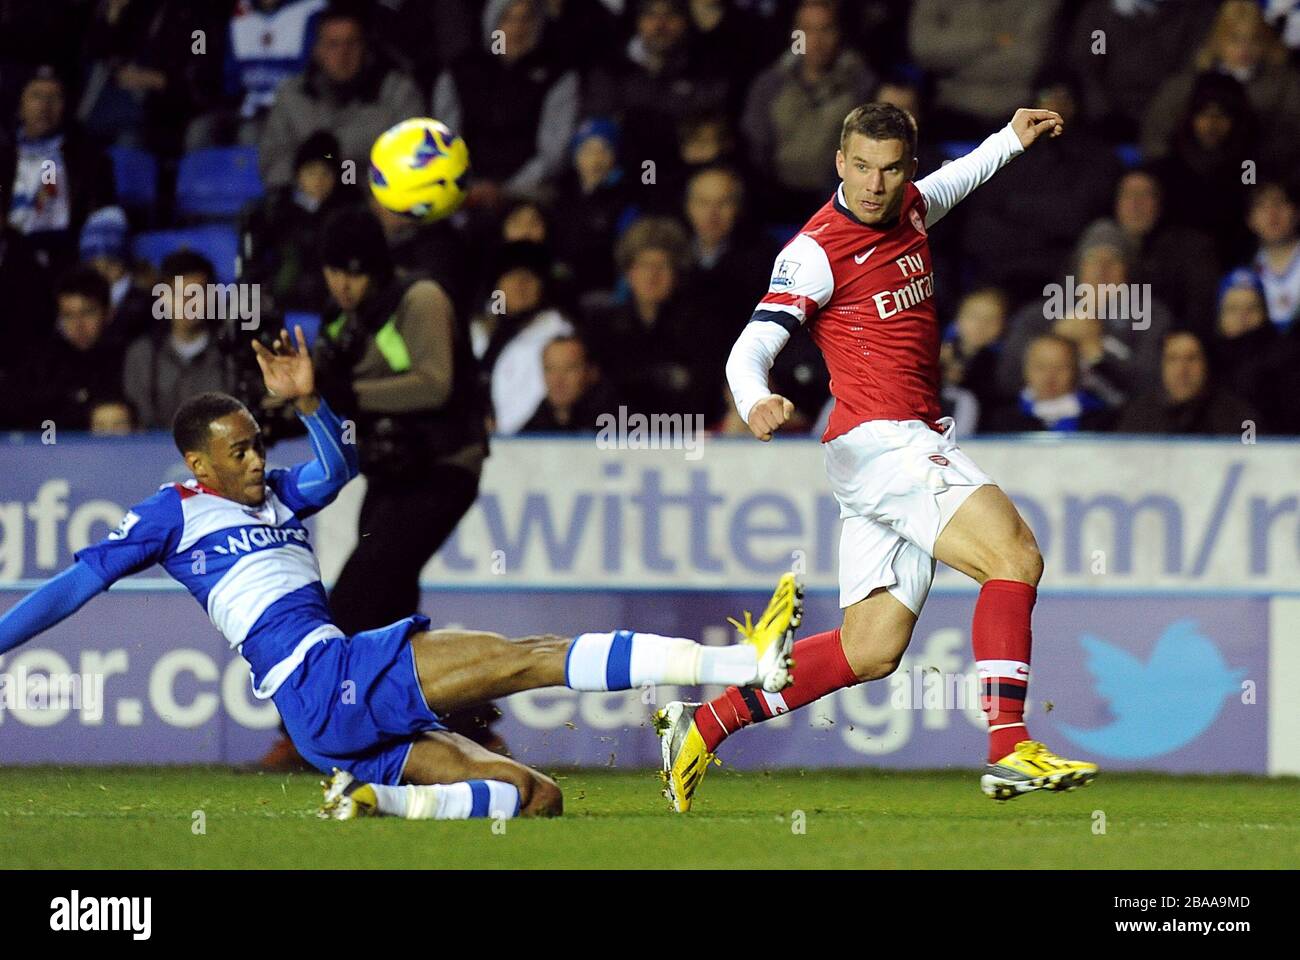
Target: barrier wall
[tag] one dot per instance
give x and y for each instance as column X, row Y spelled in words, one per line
column 1166, row 635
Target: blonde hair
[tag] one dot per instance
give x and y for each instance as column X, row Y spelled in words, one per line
column 1233, row 14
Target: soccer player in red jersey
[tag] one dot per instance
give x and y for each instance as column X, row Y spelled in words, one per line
column 859, row 276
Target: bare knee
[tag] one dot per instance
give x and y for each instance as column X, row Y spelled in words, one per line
column 867, row 655
column 987, row 539
column 1033, row 565
column 1017, row 559
column 540, row 797
column 877, row 668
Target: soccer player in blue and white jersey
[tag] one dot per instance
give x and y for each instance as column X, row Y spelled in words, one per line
column 364, row 706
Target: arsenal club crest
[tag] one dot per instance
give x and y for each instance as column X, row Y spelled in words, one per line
column 918, row 222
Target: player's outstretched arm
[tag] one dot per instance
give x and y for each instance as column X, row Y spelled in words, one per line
column 288, row 374
column 55, row 600
column 1031, row 124
column 312, row 485
column 147, row 533
column 954, row 182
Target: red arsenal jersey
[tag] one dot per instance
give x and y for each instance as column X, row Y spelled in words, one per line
column 868, row 297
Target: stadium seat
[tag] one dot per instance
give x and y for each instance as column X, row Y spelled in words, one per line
column 310, row 323
column 218, row 242
column 952, row 149
column 217, row 182
column 781, row 233
column 1130, row 154
column 135, row 175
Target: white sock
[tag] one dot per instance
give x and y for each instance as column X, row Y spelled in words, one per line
column 449, row 801
column 623, row 660
column 734, row 665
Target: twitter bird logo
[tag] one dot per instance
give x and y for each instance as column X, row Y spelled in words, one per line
column 1159, row 705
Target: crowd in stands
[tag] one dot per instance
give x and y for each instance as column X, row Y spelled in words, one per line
column 636, row 166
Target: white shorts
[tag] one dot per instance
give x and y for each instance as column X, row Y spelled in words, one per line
column 898, row 484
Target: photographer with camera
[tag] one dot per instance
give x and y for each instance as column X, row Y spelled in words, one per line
column 392, row 356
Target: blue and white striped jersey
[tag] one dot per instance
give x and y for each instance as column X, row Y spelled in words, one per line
column 266, row 48
column 252, row 568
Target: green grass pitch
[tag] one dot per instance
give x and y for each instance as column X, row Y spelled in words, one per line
column 146, row 817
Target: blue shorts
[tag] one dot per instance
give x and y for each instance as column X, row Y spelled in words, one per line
column 355, row 703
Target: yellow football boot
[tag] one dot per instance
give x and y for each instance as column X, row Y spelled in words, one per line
column 685, row 759
column 1031, row 766
column 773, row 635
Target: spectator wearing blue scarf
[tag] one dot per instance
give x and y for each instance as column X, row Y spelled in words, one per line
column 1051, row 399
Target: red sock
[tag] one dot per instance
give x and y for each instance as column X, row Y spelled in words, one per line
column 819, row 668
column 1001, row 637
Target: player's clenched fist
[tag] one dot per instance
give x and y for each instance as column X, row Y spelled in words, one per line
column 1031, row 124
column 768, row 415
